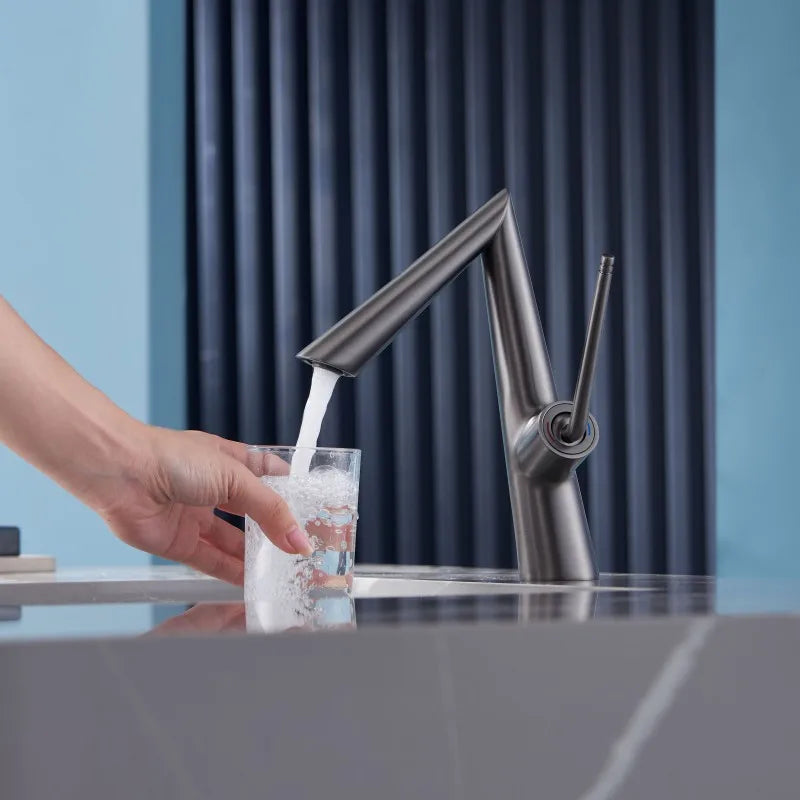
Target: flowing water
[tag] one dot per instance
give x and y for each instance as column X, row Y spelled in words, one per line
column 281, row 589
column 323, row 382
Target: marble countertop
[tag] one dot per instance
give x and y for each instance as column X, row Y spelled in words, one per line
column 670, row 687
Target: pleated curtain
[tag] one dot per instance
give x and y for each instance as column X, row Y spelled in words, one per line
column 330, row 143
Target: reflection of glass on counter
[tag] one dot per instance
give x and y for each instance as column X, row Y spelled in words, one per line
column 321, row 609
column 316, row 609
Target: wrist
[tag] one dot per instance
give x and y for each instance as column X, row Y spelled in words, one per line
column 60, row 423
column 111, row 463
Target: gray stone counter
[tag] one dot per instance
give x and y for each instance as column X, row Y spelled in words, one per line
column 442, row 697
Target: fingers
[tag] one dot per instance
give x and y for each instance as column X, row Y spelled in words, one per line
column 249, row 496
column 258, row 462
column 214, row 562
column 226, row 537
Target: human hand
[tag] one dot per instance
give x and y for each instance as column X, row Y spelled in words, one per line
column 165, row 503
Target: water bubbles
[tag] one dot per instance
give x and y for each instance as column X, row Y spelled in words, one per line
column 326, row 471
column 323, row 500
column 324, row 489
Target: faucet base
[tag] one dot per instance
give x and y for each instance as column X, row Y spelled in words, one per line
column 553, row 539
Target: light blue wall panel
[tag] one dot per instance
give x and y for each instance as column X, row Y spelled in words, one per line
column 74, row 227
column 758, row 286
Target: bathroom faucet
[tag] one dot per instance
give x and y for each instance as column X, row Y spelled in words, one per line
column 545, row 439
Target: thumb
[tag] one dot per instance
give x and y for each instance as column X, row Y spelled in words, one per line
column 269, row 510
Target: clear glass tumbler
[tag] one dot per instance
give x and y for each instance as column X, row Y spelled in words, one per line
column 320, row 486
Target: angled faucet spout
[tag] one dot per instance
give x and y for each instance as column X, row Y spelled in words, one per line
column 364, row 332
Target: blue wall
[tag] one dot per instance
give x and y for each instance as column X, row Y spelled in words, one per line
column 758, row 286
column 74, row 227
column 92, row 238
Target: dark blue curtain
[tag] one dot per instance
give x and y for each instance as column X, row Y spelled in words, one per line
column 331, row 143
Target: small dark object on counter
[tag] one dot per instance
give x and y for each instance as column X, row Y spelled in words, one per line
column 10, row 613
column 9, row 540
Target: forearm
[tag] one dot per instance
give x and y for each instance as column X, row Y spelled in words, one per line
column 56, row 420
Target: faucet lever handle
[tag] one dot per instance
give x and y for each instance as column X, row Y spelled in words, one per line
column 576, row 426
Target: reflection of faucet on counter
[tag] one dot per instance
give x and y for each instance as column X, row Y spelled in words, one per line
column 575, row 605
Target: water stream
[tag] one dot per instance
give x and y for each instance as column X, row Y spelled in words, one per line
column 323, row 382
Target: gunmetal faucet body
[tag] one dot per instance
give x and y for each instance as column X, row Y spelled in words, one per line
column 542, row 447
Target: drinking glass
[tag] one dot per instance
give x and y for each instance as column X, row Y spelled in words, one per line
column 320, row 486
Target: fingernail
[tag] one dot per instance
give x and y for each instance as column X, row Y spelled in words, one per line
column 299, row 541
